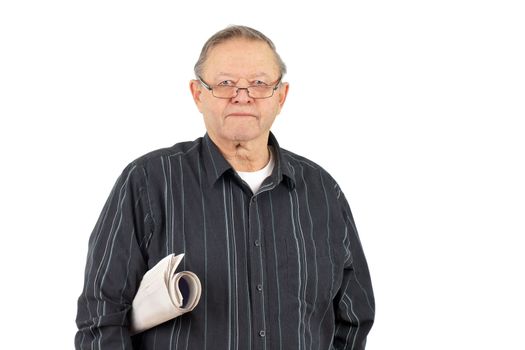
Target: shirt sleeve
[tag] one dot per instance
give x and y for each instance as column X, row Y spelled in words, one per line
column 354, row 303
column 115, row 265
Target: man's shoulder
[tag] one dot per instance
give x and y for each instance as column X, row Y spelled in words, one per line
column 295, row 160
column 307, row 171
column 155, row 156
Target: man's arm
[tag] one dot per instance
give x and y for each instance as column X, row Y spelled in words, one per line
column 354, row 303
column 115, row 265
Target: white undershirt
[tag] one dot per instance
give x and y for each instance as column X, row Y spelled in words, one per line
column 254, row 179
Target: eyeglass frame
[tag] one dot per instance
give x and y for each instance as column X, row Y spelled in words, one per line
column 210, row 88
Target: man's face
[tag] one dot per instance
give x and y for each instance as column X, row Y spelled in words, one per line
column 242, row 118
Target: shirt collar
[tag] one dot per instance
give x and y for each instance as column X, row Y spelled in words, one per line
column 217, row 166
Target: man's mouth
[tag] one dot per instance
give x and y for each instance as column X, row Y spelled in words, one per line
column 240, row 114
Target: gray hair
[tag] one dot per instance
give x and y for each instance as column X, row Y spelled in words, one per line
column 233, row 32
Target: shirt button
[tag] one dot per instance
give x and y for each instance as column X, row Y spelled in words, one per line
column 262, row 333
column 257, row 243
column 259, row 287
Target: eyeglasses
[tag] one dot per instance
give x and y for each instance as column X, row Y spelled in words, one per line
column 231, row 91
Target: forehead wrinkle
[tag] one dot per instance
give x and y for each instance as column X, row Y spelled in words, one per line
column 242, row 56
column 259, row 74
column 250, row 76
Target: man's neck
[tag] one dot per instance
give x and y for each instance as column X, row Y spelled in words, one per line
column 245, row 156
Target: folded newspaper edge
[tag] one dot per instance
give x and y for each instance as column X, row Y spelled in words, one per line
column 159, row 298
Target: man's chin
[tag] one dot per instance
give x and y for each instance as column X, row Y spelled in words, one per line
column 243, row 135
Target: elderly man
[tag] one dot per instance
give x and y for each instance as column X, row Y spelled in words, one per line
column 269, row 233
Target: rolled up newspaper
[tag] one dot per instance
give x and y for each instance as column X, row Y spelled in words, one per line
column 164, row 294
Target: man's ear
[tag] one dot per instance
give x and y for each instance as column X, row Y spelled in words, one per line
column 283, row 92
column 196, row 90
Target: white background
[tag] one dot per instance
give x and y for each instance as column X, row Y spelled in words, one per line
column 415, row 107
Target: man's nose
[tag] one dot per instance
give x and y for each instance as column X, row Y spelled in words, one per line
column 242, row 96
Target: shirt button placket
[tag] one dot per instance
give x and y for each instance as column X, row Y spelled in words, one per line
column 256, row 276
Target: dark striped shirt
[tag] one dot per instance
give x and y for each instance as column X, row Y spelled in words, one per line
column 280, row 269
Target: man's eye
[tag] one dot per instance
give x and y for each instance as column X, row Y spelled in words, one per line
column 259, row 82
column 226, row 83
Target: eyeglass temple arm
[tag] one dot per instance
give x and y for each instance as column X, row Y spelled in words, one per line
column 204, row 84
